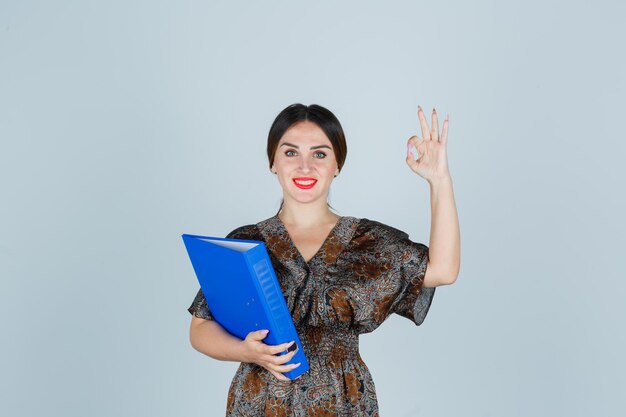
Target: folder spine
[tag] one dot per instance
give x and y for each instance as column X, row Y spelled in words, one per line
column 267, row 288
column 257, row 262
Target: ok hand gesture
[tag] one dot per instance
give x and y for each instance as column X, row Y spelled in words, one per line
column 432, row 163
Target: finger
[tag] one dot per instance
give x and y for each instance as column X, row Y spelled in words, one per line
column 412, row 143
column 274, row 360
column 410, row 158
column 423, row 123
column 258, row 335
column 409, row 147
column 280, row 348
column 280, row 376
column 444, row 133
column 286, row 368
column 286, row 357
column 412, row 163
column 434, row 133
column 280, row 359
column 415, row 144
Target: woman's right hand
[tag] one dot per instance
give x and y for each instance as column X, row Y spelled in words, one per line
column 256, row 351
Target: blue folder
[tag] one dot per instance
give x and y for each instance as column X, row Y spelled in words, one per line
column 242, row 292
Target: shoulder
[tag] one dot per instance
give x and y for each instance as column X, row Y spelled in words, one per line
column 247, row 232
column 373, row 235
column 379, row 231
column 256, row 231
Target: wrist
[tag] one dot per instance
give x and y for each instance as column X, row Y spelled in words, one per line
column 440, row 181
column 240, row 352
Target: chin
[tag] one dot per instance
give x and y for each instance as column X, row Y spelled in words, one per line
column 305, row 199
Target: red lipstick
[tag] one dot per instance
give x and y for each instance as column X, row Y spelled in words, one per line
column 306, row 180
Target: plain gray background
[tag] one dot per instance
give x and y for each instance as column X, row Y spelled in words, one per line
column 125, row 124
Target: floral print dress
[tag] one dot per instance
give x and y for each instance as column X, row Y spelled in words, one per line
column 363, row 272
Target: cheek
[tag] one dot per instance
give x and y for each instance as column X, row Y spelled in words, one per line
column 329, row 168
column 285, row 170
column 282, row 164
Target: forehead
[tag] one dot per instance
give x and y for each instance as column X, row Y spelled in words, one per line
column 305, row 132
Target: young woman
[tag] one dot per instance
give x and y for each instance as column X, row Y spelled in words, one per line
column 341, row 276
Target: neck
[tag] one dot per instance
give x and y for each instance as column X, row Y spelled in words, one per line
column 306, row 215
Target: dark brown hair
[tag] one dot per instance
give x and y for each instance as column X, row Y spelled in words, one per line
column 319, row 115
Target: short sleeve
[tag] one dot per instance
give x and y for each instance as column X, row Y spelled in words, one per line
column 199, row 306
column 414, row 300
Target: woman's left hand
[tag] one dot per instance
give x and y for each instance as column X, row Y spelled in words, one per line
column 432, row 163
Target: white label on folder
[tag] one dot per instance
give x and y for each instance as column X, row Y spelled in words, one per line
column 238, row 246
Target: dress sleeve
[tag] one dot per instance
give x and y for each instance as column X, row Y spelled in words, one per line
column 199, row 306
column 414, row 300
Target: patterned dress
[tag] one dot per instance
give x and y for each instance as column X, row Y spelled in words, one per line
column 363, row 272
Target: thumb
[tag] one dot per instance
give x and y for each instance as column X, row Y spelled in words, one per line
column 259, row 334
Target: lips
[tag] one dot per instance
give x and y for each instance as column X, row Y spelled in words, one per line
column 304, row 183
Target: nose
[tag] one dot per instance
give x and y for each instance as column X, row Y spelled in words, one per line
column 304, row 165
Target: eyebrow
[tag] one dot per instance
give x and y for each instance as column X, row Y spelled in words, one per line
column 312, row 147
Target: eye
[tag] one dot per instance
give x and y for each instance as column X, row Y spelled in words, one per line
column 320, row 155
column 290, row 152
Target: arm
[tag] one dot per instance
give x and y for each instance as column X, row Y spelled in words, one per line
column 208, row 337
column 444, row 252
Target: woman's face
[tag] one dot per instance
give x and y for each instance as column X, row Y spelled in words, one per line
column 305, row 163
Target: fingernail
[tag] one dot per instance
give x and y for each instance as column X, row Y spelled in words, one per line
column 434, row 111
column 419, row 108
column 408, row 150
column 297, row 364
